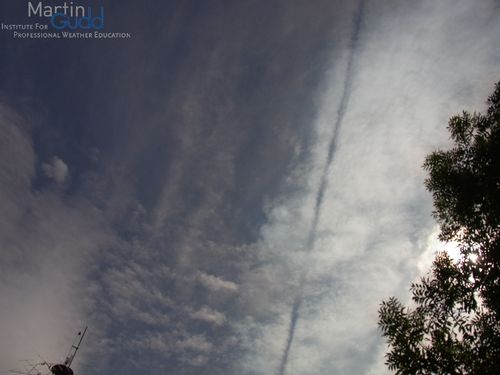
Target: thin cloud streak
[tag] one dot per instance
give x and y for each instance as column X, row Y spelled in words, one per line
column 312, row 236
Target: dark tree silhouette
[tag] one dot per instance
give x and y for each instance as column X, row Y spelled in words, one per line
column 453, row 326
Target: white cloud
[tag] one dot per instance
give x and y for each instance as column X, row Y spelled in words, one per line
column 56, row 169
column 175, row 342
column 209, row 315
column 197, row 343
column 216, row 284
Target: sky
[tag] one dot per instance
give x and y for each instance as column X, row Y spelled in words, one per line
column 233, row 187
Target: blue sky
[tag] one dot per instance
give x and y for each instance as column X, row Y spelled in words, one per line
column 232, row 190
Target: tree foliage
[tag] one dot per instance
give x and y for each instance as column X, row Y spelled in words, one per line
column 453, row 326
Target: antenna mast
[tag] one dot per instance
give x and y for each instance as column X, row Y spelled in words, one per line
column 74, row 348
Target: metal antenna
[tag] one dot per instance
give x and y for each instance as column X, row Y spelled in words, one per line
column 74, row 348
column 54, row 368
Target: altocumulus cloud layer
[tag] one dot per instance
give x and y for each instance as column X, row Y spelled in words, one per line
column 164, row 190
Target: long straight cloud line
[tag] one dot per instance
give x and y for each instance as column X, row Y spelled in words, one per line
column 311, row 238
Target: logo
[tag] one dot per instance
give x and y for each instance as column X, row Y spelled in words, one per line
column 63, row 20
